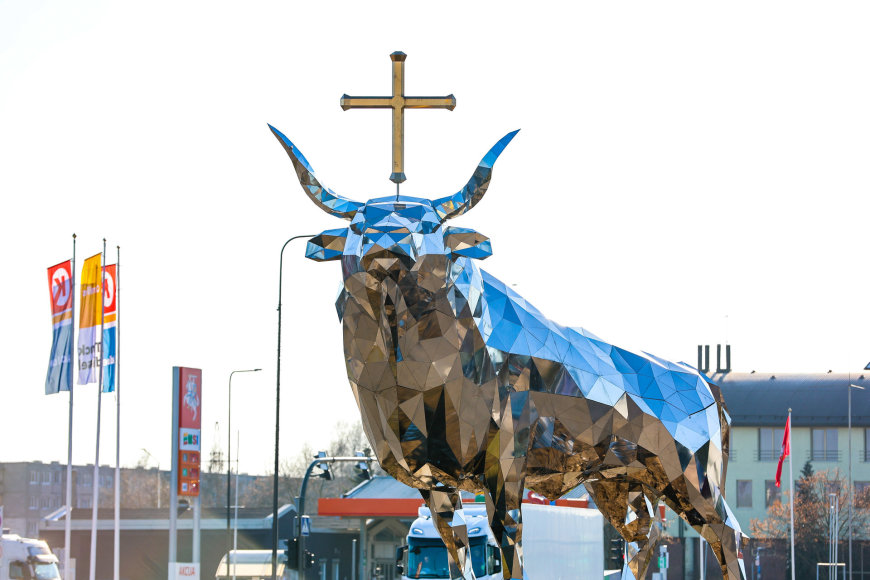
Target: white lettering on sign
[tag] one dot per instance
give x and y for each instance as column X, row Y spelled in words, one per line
column 60, row 287
column 108, row 289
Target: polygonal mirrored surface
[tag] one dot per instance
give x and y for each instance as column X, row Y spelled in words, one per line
column 464, row 385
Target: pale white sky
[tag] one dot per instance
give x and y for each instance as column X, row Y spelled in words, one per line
column 679, row 164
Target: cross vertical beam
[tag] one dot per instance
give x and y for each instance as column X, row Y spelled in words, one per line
column 398, row 102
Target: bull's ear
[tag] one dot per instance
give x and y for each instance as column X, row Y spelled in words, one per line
column 326, row 246
column 468, row 243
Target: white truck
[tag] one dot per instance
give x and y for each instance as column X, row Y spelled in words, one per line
column 26, row 559
column 558, row 543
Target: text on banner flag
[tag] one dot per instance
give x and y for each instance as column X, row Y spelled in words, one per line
column 89, row 320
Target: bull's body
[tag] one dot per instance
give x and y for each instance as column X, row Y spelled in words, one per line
column 463, row 385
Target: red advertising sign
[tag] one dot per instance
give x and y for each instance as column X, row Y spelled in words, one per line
column 189, row 423
column 110, row 305
column 60, row 286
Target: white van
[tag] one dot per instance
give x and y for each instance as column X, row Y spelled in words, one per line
column 250, row 565
column 26, row 559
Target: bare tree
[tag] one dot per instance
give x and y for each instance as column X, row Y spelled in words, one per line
column 346, row 439
column 811, row 517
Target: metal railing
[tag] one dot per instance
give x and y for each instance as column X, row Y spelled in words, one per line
column 766, row 455
column 824, row 455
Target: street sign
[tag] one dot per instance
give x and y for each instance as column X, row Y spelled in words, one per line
column 306, row 526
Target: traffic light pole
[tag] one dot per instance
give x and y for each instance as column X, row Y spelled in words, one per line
column 318, row 461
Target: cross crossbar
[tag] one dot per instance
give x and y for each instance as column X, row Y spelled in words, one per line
column 398, row 102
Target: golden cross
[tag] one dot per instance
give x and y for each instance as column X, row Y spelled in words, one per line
column 398, row 102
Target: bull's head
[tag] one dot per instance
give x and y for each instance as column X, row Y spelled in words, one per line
column 390, row 232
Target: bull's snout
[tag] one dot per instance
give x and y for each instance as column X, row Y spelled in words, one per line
column 382, row 262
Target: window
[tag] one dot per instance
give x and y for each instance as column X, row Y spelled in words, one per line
column 769, row 443
column 862, row 491
column 825, row 445
column 772, row 494
column 34, row 502
column 45, row 503
column 16, row 571
column 85, row 477
column 34, row 477
column 744, row 493
column 85, row 502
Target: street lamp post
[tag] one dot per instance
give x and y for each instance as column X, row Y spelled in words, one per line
column 278, row 414
column 148, row 453
column 851, row 386
column 229, row 446
column 834, row 523
column 324, row 462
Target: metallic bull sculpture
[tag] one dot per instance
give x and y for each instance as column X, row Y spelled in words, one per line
column 464, row 385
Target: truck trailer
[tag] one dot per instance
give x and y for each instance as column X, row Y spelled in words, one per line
column 558, row 543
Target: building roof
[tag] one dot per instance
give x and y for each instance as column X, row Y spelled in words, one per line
column 383, row 486
column 163, row 513
column 816, row 400
column 154, row 519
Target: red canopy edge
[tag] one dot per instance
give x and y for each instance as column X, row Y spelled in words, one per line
column 356, row 507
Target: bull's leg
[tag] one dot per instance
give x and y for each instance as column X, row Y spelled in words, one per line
column 449, row 519
column 629, row 508
column 504, row 480
column 712, row 518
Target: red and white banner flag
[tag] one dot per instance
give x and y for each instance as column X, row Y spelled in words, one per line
column 108, row 346
column 60, row 362
column 786, row 449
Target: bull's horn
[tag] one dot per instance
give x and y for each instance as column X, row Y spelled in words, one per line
column 325, row 198
column 467, row 197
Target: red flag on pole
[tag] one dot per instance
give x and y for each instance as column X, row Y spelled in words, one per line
column 786, row 449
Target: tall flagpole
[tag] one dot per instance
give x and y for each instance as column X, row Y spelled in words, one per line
column 791, row 494
column 236, row 507
column 67, row 530
column 96, row 482
column 117, row 415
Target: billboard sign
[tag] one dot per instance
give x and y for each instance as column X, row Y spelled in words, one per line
column 187, row 399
